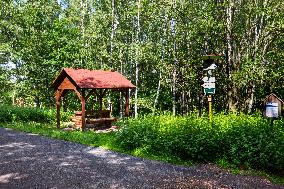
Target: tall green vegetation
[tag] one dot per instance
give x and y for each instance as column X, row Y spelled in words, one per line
column 158, row 45
column 9, row 114
column 245, row 141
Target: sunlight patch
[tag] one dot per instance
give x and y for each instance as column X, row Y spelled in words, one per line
column 10, row 176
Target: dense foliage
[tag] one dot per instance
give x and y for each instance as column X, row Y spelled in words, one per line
column 158, row 45
column 244, row 140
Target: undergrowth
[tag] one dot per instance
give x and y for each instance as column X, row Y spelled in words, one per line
column 243, row 140
column 28, row 114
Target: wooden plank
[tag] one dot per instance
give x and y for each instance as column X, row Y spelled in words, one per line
column 103, row 119
column 58, row 95
column 58, row 114
column 83, row 110
column 78, row 94
column 66, row 84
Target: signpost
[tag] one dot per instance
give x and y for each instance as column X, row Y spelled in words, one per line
column 209, row 87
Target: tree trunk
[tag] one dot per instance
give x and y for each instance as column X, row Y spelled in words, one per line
column 158, row 90
column 113, row 27
column 174, row 91
column 136, row 61
column 230, row 57
column 250, row 104
column 82, row 26
column 173, row 28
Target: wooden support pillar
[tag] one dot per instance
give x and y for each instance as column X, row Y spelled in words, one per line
column 126, row 106
column 57, row 114
column 58, row 95
column 82, row 97
column 83, row 111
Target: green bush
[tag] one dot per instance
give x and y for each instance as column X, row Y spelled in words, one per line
column 244, row 140
column 15, row 114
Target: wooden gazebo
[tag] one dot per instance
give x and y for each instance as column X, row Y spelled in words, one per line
column 89, row 82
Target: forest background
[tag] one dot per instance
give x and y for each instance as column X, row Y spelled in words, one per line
column 158, row 45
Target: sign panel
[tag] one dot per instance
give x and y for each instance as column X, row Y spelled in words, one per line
column 271, row 110
column 209, row 91
column 209, row 79
column 209, row 85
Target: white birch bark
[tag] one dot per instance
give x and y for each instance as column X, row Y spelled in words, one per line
column 230, row 58
column 175, row 62
column 136, row 61
column 112, row 32
column 158, row 90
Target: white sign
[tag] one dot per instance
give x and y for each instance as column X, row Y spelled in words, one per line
column 209, row 85
column 209, row 79
column 271, row 110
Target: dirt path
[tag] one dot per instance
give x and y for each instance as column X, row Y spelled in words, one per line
column 31, row 161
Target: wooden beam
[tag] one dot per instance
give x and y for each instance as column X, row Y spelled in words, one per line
column 83, row 111
column 78, row 93
column 126, row 106
column 58, row 95
column 57, row 114
column 83, row 104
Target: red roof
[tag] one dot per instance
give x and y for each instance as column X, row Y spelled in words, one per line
column 93, row 79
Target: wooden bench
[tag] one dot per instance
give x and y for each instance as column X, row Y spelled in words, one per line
column 100, row 122
column 97, row 119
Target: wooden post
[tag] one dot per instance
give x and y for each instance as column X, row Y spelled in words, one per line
column 126, row 108
column 57, row 114
column 83, row 110
column 210, row 108
column 58, row 95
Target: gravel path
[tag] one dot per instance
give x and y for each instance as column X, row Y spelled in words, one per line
column 32, row 161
